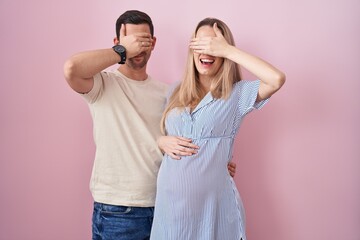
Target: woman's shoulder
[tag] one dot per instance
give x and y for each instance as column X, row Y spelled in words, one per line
column 246, row 85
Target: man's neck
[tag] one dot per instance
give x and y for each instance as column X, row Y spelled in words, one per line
column 136, row 75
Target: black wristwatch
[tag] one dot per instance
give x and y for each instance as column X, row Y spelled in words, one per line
column 119, row 49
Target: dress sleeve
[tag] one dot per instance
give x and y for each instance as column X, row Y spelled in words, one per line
column 248, row 91
column 96, row 90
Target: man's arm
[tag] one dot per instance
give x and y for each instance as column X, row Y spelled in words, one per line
column 79, row 70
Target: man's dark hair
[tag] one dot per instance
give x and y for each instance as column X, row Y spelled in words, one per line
column 133, row 17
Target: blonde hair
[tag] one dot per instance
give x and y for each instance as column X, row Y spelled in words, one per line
column 189, row 93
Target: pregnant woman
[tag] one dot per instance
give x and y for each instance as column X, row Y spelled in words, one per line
column 196, row 197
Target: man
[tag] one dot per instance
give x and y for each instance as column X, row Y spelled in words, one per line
column 126, row 106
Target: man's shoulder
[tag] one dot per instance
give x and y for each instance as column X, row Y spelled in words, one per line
column 106, row 75
column 160, row 84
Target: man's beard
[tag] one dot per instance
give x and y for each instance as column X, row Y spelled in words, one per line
column 137, row 65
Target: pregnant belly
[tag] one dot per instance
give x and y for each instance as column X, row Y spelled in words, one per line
column 192, row 177
column 189, row 187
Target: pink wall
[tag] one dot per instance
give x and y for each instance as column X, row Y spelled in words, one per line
column 298, row 158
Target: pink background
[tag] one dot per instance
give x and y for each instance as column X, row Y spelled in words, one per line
column 298, row 158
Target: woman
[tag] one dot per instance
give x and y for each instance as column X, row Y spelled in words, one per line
column 196, row 197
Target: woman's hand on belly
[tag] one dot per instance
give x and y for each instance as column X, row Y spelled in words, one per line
column 176, row 147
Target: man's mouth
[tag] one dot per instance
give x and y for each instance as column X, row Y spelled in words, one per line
column 139, row 55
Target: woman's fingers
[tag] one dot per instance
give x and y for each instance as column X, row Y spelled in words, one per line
column 173, row 156
column 186, row 151
column 176, row 147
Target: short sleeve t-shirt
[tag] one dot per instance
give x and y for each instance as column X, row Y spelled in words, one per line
column 126, row 123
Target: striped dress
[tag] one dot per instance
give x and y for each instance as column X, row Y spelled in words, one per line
column 196, row 197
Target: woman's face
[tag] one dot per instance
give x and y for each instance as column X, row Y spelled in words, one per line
column 206, row 65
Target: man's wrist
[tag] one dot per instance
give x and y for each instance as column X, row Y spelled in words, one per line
column 119, row 49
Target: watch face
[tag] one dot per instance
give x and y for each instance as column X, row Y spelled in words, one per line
column 122, row 53
column 119, row 49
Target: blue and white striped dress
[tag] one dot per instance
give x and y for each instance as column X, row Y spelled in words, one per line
column 196, row 197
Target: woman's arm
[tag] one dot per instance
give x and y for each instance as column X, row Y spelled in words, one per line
column 271, row 78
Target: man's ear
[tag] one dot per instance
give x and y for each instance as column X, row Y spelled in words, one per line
column 116, row 41
column 153, row 43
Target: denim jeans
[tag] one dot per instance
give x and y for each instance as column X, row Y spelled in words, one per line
column 111, row 222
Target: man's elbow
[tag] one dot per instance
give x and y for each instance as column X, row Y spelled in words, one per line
column 69, row 70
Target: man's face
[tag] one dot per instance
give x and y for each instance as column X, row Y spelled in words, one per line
column 140, row 60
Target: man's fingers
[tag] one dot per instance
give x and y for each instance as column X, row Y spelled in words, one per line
column 144, row 38
column 122, row 31
column 232, row 168
column 232, row 164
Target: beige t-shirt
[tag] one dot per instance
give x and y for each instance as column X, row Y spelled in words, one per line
column 126, row 119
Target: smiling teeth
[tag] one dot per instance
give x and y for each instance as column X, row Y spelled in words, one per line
column 207, row 60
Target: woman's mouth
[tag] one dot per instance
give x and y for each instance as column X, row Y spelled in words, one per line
column 206, row 61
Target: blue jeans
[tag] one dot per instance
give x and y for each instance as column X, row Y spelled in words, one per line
column 111, row 222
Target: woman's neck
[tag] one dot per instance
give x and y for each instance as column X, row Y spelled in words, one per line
column 205, row 84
